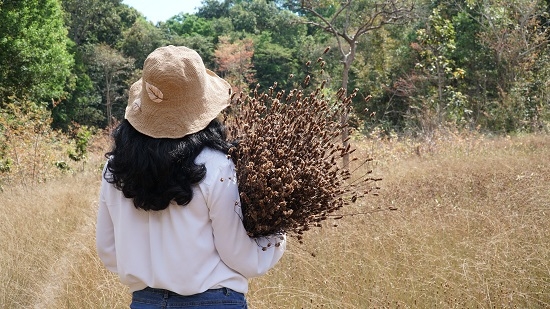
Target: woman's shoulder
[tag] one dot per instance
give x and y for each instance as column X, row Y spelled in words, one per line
column 213, row 158
column 218, row 166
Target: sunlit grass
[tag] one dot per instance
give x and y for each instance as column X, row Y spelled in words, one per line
column 470, row 231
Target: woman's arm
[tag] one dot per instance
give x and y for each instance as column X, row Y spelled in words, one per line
column 248, row 256
column 105, row 237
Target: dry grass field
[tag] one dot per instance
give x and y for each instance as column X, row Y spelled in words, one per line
column 471, row 229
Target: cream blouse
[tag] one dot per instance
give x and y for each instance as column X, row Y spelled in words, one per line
column 185, row 249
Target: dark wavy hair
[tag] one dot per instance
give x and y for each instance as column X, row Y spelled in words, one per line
column 155, row 171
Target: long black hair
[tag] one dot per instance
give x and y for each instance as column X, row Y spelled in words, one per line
column 155, row 171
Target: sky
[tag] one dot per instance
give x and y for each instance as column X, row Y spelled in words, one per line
column 161, row 10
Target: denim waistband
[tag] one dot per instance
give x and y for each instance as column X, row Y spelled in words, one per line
column 213, row 298
column 168, row 292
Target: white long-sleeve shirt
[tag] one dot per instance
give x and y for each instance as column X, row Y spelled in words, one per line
column 185, row 249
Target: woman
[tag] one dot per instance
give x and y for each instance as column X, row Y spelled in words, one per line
column 169, row 220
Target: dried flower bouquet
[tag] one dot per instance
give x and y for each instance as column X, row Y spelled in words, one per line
column 288, row 159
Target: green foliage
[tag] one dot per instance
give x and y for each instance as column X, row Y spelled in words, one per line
column 34, row 61
column 480, row 82
column 214, row 9
column 140, row 40
column 436, row 45
column 385, row 56
column 109, row 70
column 81, row 137
column 438, row 42
column 223, row 27
column 195, row 32
column 272, row 62
column 81, row 105
column 480, row 64
column 519, row 56
column 98, row 21
column 63, row 166
column 187, row 25
column 525, row 108
column 203, row 45
column 256, row 16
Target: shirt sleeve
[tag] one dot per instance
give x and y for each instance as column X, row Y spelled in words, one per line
column 249, row 256
column 105, row 237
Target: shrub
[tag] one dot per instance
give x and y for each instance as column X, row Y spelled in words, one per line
column 29, row 148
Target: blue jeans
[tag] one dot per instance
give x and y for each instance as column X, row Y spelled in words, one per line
column 223, row 298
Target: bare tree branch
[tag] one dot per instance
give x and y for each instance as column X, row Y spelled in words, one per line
column 352, row 26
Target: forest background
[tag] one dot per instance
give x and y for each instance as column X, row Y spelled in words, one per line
column 476, row 65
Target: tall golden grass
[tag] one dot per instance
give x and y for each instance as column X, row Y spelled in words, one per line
column 471, row 230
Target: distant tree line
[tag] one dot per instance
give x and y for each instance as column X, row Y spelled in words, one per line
column 418, row 64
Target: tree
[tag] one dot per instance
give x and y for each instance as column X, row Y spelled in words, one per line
column 111, row 69
column 214, row 9
column 92, row 22
column 98, row 21
column 273, row 62
column 517, row 38
column 34, row 60
column 235, row 62
column 82, row 105
column 347, row 21
column 479, row 82
column 140, row 40
column 187, row 25
column 244, row 20
column 385, row 57
column 201, row 44
column 436, row 44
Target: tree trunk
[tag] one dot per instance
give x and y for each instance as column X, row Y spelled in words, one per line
column 440, row 85
column 108, row 102
column 347, row 60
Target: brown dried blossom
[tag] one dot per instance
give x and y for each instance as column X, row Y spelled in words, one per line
column 287, row 159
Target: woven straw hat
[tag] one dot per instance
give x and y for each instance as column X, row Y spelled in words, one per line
column 176, row 94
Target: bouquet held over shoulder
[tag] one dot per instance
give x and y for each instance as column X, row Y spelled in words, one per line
column 289, row 159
